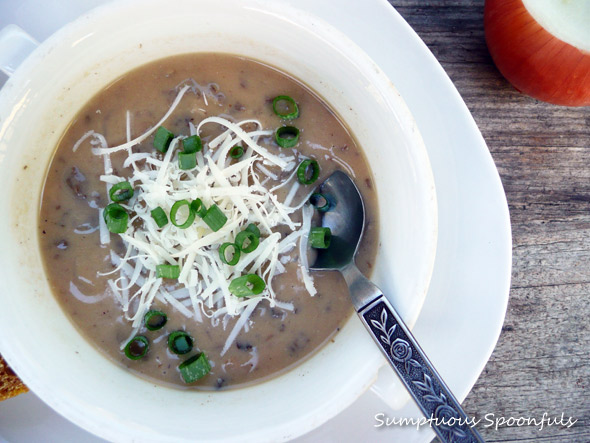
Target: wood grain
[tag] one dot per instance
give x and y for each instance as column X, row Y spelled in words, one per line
column 542, row 362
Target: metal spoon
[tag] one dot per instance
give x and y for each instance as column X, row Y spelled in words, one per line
column 346, row 219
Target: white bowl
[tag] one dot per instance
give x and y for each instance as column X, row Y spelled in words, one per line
column 40, row 100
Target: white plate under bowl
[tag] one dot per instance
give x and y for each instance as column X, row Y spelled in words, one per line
column 466, row 302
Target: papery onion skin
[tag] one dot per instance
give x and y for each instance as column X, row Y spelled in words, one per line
column 533, row 60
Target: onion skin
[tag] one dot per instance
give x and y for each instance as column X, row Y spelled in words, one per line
column 533, row 60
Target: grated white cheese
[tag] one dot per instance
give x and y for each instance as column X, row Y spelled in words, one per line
column 89, row 299
column 105, row 150
column 303, row 264
column 240, row 324
column 235, row 187
column 242, row 135
column 253, row 362
column 105, row 235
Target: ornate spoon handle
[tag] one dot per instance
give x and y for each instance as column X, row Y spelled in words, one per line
column 430, row 392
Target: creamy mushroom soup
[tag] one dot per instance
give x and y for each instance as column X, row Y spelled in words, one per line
column 177, row 216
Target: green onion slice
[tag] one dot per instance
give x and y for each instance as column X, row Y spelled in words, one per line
column 137, row 347
column 159, row 216
column 246, row 285
column 180, row 342
column 320, row 237
column 214, row 218
column 187, row 160
column 236, row 152
column 253, row 228
column 235, row 254
column 155, row 320
column 121, row 191
column 116, row 218
column 285, row 107
column 190, row 218
column 249, row 239
column 194, row 368
column 320, row 201
column 198, row 207
column 302, row 171
column 287, row 136
column 167, row 271
column 162, row 139
column 192, row 144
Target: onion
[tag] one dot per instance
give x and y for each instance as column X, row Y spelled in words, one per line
column 542, row 47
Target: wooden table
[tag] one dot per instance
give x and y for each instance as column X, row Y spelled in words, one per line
column 542, row 362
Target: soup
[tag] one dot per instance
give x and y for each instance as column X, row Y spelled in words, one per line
column 175, row 220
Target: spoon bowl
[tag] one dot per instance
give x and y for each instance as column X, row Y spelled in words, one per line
column 346, row 220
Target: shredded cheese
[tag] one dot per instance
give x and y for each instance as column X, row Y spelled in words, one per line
column 236, row 188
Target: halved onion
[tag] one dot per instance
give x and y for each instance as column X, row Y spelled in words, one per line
column 542, row 47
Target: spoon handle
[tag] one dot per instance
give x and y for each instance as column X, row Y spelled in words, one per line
column 434, row 398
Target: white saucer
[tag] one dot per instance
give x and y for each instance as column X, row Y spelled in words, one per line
column 464, row 310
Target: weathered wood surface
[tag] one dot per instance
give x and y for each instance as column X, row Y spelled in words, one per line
column 542, row 361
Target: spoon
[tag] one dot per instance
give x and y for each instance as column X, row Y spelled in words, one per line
column 346, row 219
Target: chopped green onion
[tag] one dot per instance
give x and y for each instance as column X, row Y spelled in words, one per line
column 187, row 160
column 319, row 237
column 159, row 216
column 253, row 229
column 214, row 218
column 137, row 347
column 121, row 191
column 180, row 342
column 194, row 368
column 162, row 139
column 320, row 201
column 302, row 171
column 287, row 136
column 246, row 285
column 155, row 320
column 287, row 103
column 236, row 152
column 198, row 207
column 235, row 254
column 116, row 218
column 167, row 271
column 192, row 144
column 190, row 218
column 248, row 238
